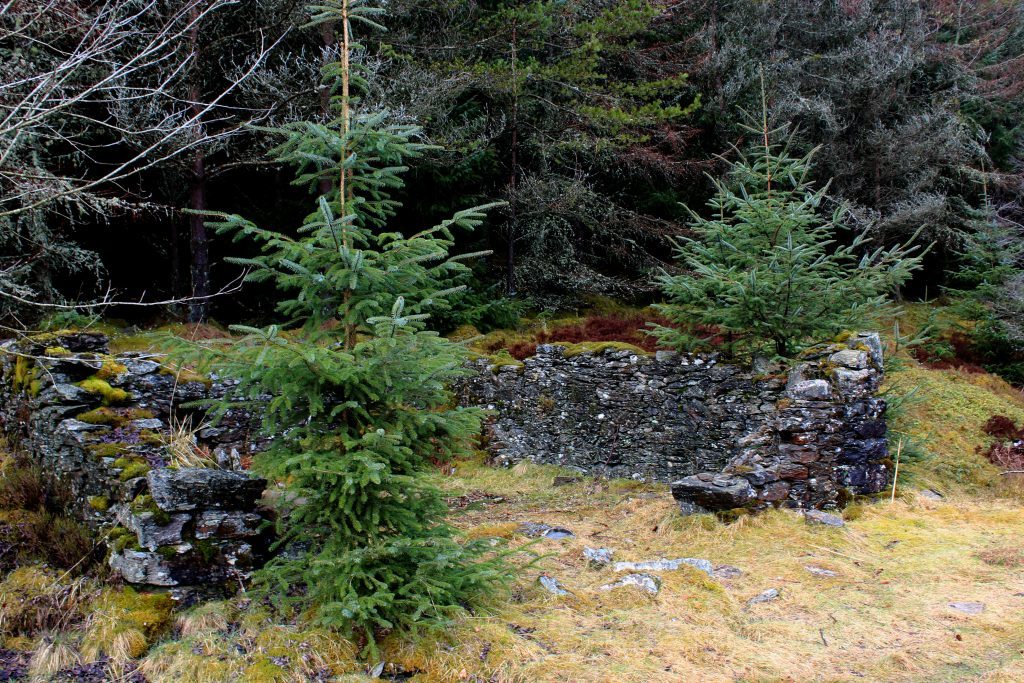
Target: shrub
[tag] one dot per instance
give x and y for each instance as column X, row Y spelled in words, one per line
column 1007, row 452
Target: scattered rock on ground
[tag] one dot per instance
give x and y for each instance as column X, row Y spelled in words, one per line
column 818, row 571
column 727, row 571
column 646, row 582
column 552, row 585
column 930, row 494
column 565, row 481
column 968, row 607
column 764, row 596
column 536, row 530
column 825, row 518
column 598, row 557
column 666, row 565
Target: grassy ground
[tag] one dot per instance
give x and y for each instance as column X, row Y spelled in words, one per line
column 885, row 615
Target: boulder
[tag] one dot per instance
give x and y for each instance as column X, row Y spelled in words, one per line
column 823, row 518
column 722, row 492
column 598, row 557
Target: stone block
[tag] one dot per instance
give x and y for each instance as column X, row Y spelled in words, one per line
column 193, row 488
column 227, row 524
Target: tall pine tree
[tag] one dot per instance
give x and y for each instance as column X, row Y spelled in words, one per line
column 352, row 385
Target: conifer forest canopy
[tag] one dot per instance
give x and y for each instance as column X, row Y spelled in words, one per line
column 600, row 123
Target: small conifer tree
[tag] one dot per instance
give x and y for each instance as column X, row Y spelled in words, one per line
column 352, row 386
column 765, row 269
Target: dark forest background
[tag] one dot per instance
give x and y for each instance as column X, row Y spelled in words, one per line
column 597, row 121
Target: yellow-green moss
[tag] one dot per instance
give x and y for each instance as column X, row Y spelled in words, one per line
column 56, row 352
column 131, row 468
column 99, row 503
column 123, row 611
column 503, row 359
column 110, row 369
column 101, row 416
column 25, row 374
column 107, row 450
column 97, row 385
column 113, row 418
column 599, row 347
column 145, row 503
column 264, row 671
column 120, row 538
column 150, row 438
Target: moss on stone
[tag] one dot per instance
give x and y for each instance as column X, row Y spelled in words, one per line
column 503, row 359
column 101, row 416
column 24, row 374
column 107, row 450
column 167, row 551
column 110, row 369
column 120, row 538
column 145, row 503
column 138, row 468
column 114, row 418
column 599, row 347
column 99, row 386
column 99, row 503
column 205, row 549
column 56, row 352
column 150, row 438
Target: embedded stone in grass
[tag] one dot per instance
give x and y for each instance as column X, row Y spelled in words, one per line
column 552, row 585
column 930, row 494
column 818, row 571
column 764, row 596
column 967, row 607
column 535, row 530
column 824, row 518
column 646, row 582
column 598, row 557
column 727, row 571
column 667, row 565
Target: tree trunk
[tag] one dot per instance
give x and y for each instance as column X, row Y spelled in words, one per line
column 510, row 255
column 329, row 38
column 199, row 308
column 175, row 256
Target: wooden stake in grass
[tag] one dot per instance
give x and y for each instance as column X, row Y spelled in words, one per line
column 896, row 470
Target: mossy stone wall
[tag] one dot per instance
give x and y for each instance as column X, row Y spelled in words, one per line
column 724, row 435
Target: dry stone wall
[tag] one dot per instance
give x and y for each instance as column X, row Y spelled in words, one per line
column 724, row 436
column 97, row 425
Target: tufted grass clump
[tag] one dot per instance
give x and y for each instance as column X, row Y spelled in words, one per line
column 54, row 653
column 35, row 599
column 123, row 623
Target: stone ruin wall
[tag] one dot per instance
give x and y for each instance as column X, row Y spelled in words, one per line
column 724, row 436
column 94, row 423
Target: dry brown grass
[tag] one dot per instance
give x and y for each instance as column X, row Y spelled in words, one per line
column 183, row 447
column 884, row 617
